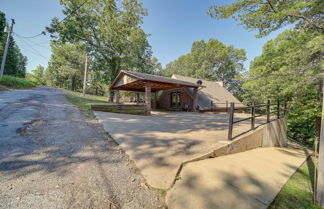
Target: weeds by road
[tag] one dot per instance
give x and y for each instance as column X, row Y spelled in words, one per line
column 84, row 102
column 10, row 82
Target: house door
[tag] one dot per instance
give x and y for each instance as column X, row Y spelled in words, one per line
column 175, row 99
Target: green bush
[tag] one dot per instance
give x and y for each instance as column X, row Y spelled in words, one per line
column 16, row 83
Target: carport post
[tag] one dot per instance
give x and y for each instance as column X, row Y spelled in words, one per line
column 194, row 102
column 230, row 122
column 148, row 97
column 117, row 96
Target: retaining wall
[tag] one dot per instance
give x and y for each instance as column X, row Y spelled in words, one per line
column 120, row 108
column 273, row 134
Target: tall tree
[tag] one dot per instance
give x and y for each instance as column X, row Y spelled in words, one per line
column 110, row 31
column 287, row 70
column 39, row 75
column 65, row 68
column 269, row 15
column 211, row 60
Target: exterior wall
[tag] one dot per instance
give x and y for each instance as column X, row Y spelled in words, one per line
column 164, row 102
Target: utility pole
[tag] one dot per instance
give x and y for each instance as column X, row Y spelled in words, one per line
column 320, row 172
column 85, row 75
column 6, row 48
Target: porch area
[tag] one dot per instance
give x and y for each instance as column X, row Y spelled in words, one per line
column 152, row 85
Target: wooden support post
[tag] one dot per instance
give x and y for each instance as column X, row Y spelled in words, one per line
column 211, row 105
column 230, row 122
column 137, row 98
column 194, row 102
column 253, row 116
column 268, row 111
column 278, row 109
column 226, row 106
column 148, row 97
column 117, row 96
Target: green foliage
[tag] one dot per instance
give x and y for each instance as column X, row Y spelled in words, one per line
column 65, row 68
column 211, row 60
column 288, row 69
column 109, row 31
column 38, row 75
column 269, row 15
column 15, row 61
column 84, row 102
column 16, row 83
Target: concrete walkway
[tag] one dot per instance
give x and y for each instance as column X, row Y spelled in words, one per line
column 247, row 180
column 158, row 144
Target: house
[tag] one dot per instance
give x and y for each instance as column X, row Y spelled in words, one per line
column 176, row 93
column 213, row 97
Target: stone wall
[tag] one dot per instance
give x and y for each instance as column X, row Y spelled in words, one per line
column 120, row 108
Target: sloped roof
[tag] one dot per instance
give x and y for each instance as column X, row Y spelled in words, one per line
column 213, row 91
column 155, row 79
column 162, row 79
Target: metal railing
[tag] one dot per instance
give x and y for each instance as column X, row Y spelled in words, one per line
column 263, row 109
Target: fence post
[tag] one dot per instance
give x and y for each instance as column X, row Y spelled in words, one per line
column 268, row 111
column 253, row 115
column 226, row 106
column 230, row 122
column 285, row 109
column 278, row 109
column 211, row 105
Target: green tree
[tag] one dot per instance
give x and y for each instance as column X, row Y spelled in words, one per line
column 66, row 66
column 211, row 60
column 288, row 69
column 111, row 33
column 269, row 15
column 39, row 74
column 15, row 61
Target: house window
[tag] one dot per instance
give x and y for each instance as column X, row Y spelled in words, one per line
column 175, row 99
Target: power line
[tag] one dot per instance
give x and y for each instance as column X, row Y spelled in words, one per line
column 73, row 12
column 31, row 42
column 34, row 51
column 42, row 33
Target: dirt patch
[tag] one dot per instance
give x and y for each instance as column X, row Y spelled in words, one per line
column 31, row 127
column 3, row 88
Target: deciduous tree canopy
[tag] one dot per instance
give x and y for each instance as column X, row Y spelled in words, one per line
column 211, row 60
column 269, row 15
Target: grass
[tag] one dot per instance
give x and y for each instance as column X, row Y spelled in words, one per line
column 10, row 82
column 298, row 191
column 84, row 102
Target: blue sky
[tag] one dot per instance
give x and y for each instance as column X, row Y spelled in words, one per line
column 172, row 24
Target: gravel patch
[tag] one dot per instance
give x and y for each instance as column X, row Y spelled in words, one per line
column 51, row 156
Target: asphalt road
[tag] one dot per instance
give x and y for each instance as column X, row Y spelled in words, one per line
column 53, row 157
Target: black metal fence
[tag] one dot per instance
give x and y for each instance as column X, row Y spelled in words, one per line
column 278, row 109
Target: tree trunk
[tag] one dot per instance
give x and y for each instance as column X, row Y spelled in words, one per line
column 320, row 173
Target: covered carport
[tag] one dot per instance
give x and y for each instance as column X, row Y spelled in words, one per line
column 141, row 82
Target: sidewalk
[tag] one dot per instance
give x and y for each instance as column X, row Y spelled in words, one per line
column 247, row 180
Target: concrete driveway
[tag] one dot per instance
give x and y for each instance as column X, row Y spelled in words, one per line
column 160, row 143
